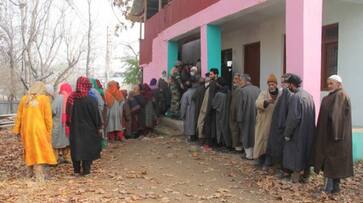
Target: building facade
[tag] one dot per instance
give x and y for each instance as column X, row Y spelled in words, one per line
column 312, row 38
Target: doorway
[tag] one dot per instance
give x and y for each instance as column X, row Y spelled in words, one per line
column 226, row 69
column 252, row 62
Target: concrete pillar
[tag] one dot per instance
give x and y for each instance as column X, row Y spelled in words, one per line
column 160, row 4
column 303, row 43
column 172, row 55
column 211, row 48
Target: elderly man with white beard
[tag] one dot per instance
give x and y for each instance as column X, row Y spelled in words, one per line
column 333, row 143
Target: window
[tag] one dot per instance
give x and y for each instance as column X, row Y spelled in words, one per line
column 329, row 53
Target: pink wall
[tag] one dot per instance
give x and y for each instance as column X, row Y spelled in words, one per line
column 172, row 13
column 303, row 43
column 204, row 49
column 208, row 15
column 303, row 38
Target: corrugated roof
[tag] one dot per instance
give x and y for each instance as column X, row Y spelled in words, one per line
column 136, row 13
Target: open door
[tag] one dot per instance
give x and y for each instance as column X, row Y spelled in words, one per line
column 227, row 66
column 252, row 62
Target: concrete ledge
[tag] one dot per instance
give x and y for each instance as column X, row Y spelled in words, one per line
column 357, row 141
column 357, row 130
column 170, row 126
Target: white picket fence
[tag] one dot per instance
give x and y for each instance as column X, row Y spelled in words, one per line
column 7, row 107
column 7, row 113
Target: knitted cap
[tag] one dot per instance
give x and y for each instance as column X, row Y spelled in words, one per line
column 272, row 78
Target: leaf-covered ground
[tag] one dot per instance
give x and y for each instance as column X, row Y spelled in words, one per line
column 161, row 169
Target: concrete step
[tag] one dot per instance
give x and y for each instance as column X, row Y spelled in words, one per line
column 169, row 126
column 173, row 124
column 166, row 131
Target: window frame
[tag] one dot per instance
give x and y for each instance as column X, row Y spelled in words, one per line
column 324, row 44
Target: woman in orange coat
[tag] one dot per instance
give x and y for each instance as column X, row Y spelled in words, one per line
column 34, row 125
column 114, row 104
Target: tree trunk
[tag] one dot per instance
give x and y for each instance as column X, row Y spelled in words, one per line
column 89, row 39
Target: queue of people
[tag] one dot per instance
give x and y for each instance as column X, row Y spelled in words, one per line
column 73, row 126
column 274, row 127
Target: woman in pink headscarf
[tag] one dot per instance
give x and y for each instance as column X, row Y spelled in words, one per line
column 60, row 138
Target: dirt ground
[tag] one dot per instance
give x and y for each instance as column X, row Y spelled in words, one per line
column 160, row 169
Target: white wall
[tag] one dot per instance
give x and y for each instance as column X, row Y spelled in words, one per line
column 191, row 52
column 350, row 49
column 270, row 34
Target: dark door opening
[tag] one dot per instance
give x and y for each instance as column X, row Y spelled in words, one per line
column 252, row 62
column 226, row 69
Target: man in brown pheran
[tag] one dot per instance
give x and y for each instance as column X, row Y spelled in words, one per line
column 333, row 144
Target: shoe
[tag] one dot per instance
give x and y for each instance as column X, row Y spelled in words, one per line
column 336, row 186
column 66, row 162
column 29, row 172
column 238, row 149
column 295, row 177
column 304, row 179
column 60, row 160
column 330, row 185
column 78, row 174
column 220, row 149
column 283, row 176
column 86, row 173
column 246, row 158
column 335, row 191
column 206, row 148
column 193, row 138
column 257, row 164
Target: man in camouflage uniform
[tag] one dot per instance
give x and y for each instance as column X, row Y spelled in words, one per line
column 175, row 87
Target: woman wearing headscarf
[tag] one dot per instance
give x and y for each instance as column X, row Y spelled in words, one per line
column 158, row 97
column 114, row 104
column 98, row 93
column 126, row 117
column 134, row 109
column 84, row 121
column 150, row 116
column 140, row 99
column 165, row 92
column 34, row 125
column 60, row 136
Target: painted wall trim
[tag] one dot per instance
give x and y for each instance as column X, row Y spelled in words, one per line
column 219, row 10
column 214, row 44
column 357, row 139
column 172, row 55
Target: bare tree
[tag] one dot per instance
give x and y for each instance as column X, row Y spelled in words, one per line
column 74, row 46
column 8, row 48
column 122, row 14
column 34, row 41
column 89, row 38
column 41, row 38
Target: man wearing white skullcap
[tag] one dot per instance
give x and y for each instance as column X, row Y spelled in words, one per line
column 333, row 143
column 336, row 78
column 194, row 75
column 334, row 82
